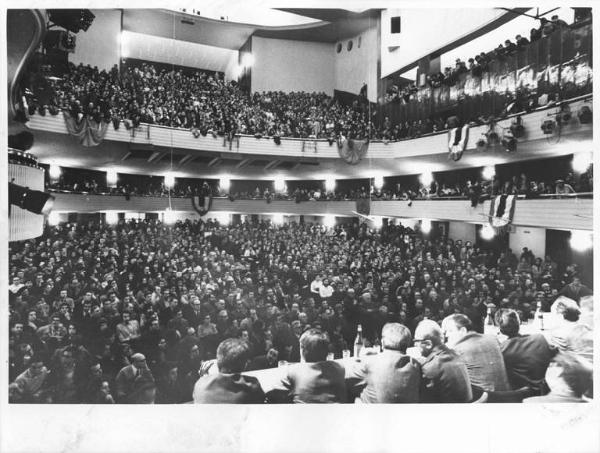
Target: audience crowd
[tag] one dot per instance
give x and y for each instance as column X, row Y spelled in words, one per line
column 475, row 189
column 138, row 312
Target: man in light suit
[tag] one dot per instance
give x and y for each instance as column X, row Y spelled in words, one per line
column 389, row 377
column 229, row 386
column 315, row 379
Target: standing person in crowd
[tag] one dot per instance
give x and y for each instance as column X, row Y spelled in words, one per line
column 445, row 378
column 389, row 377
column 480, row 353
column 134, row 381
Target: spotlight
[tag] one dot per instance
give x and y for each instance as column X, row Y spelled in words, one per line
column 278, row 219
column 329, row 184
column 34, row 201
column 378, row 182
column 279, row 184
column 581, row 162
column 581, row 240
column 54, row 172
column 329, row 221
column 488, row 172
column 487, row 233
column 169, row 181
column 225, row 183
column 426, row 178
column 425, row 226
column 111, row 178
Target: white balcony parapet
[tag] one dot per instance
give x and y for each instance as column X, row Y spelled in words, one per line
column 563, row 214
column 293, row 147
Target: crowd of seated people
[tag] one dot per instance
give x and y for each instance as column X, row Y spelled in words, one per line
column 201, row 101
column 134, row 312
column 478, row 64
column 475, row 190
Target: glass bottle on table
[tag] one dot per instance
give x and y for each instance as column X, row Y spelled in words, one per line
column 538, row 317
column 489, row 328
column 359, row 342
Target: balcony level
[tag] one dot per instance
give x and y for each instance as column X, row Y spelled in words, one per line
column 152, row 149
column 573, row 213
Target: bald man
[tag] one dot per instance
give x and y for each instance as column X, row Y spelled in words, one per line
column 444, row 376
column 133, row 379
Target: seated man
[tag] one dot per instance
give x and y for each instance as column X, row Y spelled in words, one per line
column 480, row 353
column 568, row 377
column 389, row 377
column 526, row 357
column 315, row 379
column 32, row 386
column 229, row 386
column 444, row 376
column 265, row 361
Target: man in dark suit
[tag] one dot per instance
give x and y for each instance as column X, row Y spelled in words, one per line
column 315, row 379
column 480, row 353
column 526, row 357
column 389, row 377
column 229, row 386
column 444, row 376
column 133, row 380
column 266, row 361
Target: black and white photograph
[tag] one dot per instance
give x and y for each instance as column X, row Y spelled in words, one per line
column 225, row 203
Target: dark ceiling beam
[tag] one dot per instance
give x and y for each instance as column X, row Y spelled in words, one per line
column 126, row 156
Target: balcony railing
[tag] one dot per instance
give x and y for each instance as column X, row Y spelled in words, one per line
column 570, row 212
column 555, row 67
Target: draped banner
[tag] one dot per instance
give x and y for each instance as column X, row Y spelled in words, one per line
column 352, row 151
column 87, row 131
column 502, row 211
column 202, row 204
column 457, row 141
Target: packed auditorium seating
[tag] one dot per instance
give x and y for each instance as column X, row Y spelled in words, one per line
column 89, row 301
column 210, row 104
column 518, row 182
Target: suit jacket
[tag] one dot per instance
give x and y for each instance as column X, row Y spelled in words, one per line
column 389, row 377
column 445, row 378
column 485, row 364
column 128, row 380
column 318, row 382
column 526, row 358
column 224, row 388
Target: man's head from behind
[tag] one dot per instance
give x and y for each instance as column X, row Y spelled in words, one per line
column 428, row 335
column 396, row 337
column 568, row 372
column 232, row 355
column 455, row 327
column 508, row 321
column 314, row 345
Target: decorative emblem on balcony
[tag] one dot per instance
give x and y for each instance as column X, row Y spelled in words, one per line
column 352, row 151
column 457, row 139
column 202, row 204
column 87, row 130
column 502, row 211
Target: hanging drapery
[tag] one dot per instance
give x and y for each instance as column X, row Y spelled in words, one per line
column 87, row 131
column 352, row 151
